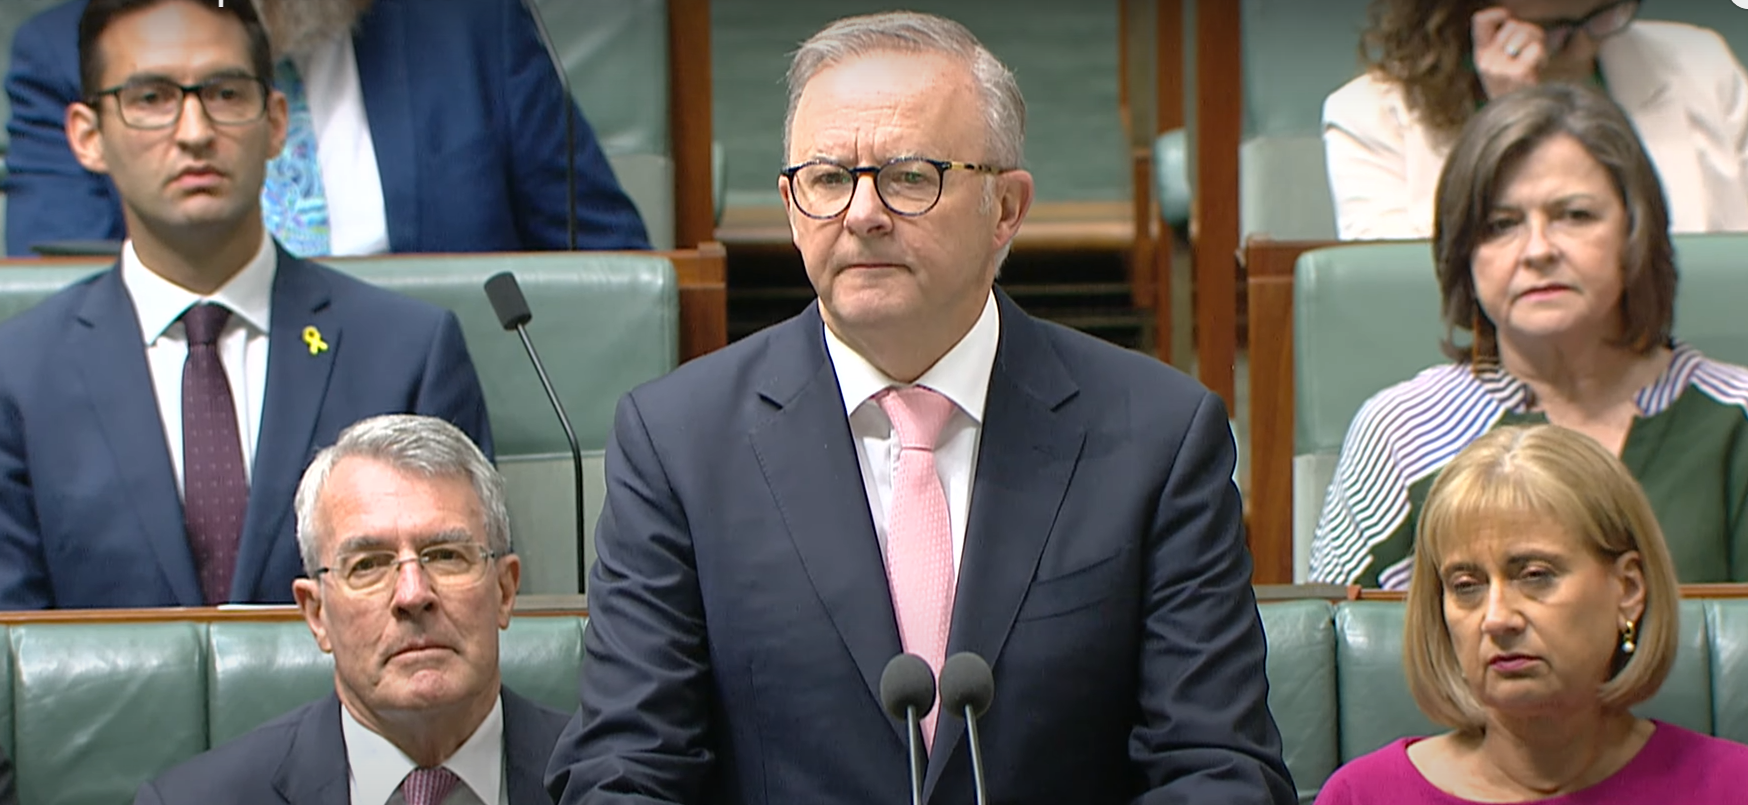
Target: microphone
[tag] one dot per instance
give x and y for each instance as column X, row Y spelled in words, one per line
column 512, row 309
column 967, row 687
column 570, row 129
column 907, row 691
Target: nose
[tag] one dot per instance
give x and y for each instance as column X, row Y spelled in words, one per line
column 1538, row 247
column 193, row 127
column 1502, row 616
column 867, row 214
column 413, row 591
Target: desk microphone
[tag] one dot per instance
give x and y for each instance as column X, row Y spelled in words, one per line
column 512, row 309
column 967, row 687
column 570, row 133
column 907, row 691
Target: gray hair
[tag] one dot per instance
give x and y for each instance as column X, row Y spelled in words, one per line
column 421, row 445
column 1004, row 110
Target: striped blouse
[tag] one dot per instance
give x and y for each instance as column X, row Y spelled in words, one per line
column 1688, row 448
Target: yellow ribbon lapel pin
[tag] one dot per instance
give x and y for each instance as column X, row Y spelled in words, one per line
column 313, row 337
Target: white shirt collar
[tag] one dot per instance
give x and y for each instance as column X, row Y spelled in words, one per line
column 377, row 766
column 961, row 375
column 159, row 302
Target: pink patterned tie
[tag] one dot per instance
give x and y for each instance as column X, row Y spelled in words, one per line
column 919, row 535
column 428, row 786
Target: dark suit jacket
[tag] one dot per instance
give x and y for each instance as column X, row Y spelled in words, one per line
column 465, row 110
column 740, row 618
column 8, row 783
column 89, row 511
column 300, row 759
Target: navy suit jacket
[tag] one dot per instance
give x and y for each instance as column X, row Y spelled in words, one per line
column 740, row 618
column 90, row 515
column 465, row 111
column 300, row 759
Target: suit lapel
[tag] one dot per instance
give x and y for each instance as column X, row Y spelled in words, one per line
column 297, row 383
column 528, row 742
column 1025, row 459
column 809, row 461
column 112, row 363
column 383, row 64
column 315, row 770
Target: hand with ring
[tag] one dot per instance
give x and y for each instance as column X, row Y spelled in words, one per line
column 1509, row 53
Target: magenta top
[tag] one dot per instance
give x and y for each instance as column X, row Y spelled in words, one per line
column 1675, row 765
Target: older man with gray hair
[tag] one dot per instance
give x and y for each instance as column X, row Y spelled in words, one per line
column 915, row 465
column 406, row 541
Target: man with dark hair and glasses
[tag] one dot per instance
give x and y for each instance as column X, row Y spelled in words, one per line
column 915, row 465
column 404, row 531
column 154, row 417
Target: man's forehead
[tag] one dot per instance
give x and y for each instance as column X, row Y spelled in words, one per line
column 175, row 38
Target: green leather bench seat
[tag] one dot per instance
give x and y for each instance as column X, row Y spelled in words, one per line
column 91, row 710
column 605, row 322
column 1366, row 317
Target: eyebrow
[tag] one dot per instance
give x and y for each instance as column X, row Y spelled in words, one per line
column 373, row 542
column 223, row 72
column 1513, row 561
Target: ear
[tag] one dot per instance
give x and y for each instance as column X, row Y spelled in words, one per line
column 84, row 129
column 308, row 595
column 278, row 120
column 1629, row 570
column 789, row 211
column 1014, row 191
column 509, row 577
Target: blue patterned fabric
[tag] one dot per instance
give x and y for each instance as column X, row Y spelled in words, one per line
column 293, row 201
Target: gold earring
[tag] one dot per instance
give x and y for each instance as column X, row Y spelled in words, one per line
column 1629, row 638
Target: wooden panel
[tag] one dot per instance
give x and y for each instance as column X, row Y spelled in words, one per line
column 703, row 279
column 689, row 121
column 1214, row 216
column 1168, row 115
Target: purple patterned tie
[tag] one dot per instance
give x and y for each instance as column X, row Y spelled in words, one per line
column 428, row 786
column 215, row 490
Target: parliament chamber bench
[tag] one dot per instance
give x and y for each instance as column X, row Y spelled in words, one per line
column 607, row 321
column 94, row 703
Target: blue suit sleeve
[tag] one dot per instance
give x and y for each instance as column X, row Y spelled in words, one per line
column 24, row 580
column 606, row 217
column 450, row 388
column 49, row 195
column 148, row 795
column 1204, row 732
column 639, row 736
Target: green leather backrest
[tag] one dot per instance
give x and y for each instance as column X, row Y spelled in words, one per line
column 1376, row 707
column 1727, row 621
column 101, row 708
column 1301, row 673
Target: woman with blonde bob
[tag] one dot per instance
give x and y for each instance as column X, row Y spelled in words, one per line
column 1543, row 605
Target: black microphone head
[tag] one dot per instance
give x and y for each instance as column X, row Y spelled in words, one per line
column 907, row 682
column 966, row 682
column 507, row 300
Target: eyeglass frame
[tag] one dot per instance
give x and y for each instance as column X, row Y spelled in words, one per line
column 941, row 167
column 1567, row 28
column 487, row 556
column 182, row 102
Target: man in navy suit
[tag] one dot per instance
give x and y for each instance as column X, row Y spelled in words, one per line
column 915, row 465
column 405, row 536
column 415, row 125
column 154, row 418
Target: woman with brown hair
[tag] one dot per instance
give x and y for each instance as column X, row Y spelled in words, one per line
column 1543, row 607
column 1431, row 64
column 1553, row 254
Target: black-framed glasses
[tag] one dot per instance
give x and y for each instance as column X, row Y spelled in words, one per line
column 1606, row 21
column 908, row 186
column 449, row 565
column 157, row 103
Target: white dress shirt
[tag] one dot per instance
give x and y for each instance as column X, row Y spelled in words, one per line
column 242, row 346
column 962, row 375
column 377, row 767
column 357, row 219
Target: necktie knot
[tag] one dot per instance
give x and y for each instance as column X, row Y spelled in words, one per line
column 918, row 413
column 428, row 786
column 204, row 322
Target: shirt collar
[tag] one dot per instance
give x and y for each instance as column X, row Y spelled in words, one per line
column 961, row 375
column 159, row 302
column 1516, row 396
column 377, row 766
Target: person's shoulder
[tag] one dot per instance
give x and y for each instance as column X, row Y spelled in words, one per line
column 749, row 363
column 1696, row 758
column 1366, row 95
column 1093, row 360
column 245, row 763
column 54, row 313
column 363, row 299
column 1379, row 776
column 543, row 724
column 56, row 25
column 1429, row 393
column 1686, row 53
column 1678, row 38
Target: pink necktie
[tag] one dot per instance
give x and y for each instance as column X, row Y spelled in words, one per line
column 919, row 535
column 428, row 786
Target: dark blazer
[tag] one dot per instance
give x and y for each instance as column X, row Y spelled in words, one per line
column 300, row 759
column 8, row 781
column 740, row 619
column 89, row 511
column 465, row 111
